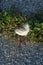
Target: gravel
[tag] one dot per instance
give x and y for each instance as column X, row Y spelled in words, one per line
column 11, row 54
column 26, row 6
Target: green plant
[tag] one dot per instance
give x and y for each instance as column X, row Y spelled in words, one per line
column 9, row 22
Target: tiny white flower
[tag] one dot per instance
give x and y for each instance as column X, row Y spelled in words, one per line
column 23, row 31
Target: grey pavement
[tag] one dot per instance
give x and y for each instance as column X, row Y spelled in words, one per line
column 25, row 6
column 11, row 54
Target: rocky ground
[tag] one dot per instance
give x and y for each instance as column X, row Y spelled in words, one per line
column 25, row 6
column 11, row 54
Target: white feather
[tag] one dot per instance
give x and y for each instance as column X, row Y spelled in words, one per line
column 23, row 31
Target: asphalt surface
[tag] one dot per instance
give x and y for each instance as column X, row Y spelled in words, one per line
column 11, row 54
column 25, row 6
